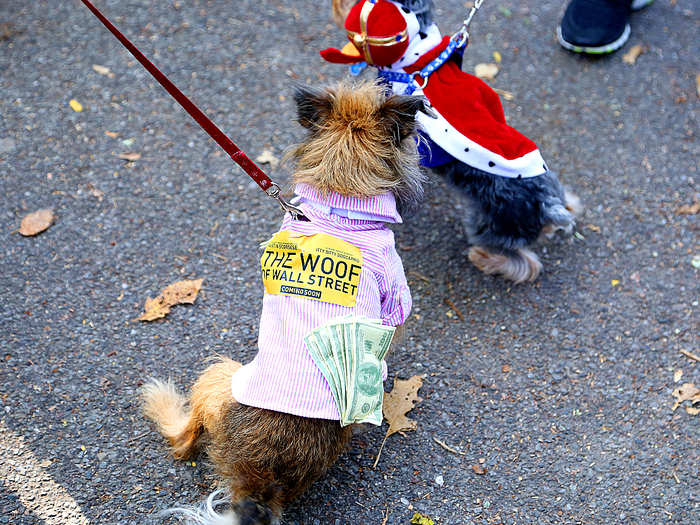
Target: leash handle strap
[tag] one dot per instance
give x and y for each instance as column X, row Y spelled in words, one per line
column 237, row 155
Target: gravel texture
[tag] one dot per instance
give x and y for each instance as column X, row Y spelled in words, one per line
column 560, row 390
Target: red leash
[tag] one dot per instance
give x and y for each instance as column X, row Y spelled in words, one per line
column 237, row 155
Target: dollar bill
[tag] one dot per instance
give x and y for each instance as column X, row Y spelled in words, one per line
column 349, row 352
column 321, row 354
column 368, row 389
column 376, row 338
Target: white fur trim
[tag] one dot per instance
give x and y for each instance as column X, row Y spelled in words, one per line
column 205, row 513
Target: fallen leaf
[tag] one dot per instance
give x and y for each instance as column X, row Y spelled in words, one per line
column 677, row 375
column 690, row 209
column 154, row 309
column 631, row 56
column 419, row 519
column 505, row 369
column 615, row 282
column 507, row 95
column 686, row 392
column 112, row 134
column 101, row 69
column 486, row 71
column 7, row 31
column 181, row 292
column 95, row 192
column 479, row 469
column 77, row 106
column 266, row 157
column 497, row 57
column 131, row 157
column 399, row 402
column 36, row 222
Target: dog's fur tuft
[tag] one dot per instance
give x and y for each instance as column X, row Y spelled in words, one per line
column 206, row 513
column 519, row 266
column 358, row 130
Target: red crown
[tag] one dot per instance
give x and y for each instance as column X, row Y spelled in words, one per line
column 378, row 33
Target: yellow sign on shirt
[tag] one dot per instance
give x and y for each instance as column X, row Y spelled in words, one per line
column 319, row 266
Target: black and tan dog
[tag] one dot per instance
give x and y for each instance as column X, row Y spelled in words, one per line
column 511, row 197
column 360, row 144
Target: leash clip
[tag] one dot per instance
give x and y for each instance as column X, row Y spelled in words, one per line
column 296, row 213
column 462, row 36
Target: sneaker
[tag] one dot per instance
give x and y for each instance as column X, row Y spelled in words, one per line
column 597, row 26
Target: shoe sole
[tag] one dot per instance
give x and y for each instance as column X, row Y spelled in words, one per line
column 640, row 4
column 596, row 50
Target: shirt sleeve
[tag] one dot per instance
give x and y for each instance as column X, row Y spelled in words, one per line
column 395, row 294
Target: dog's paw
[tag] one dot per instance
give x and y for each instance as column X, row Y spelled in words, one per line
column 573, row 204
column 519, row 267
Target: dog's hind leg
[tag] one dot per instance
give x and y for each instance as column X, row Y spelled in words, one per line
column 180, row 425
column 212, row 392
column 518, row 265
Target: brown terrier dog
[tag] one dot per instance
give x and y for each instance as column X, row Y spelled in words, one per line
column 361, row 144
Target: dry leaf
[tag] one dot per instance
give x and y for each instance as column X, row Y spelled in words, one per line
column 507, row 95
column 677, row 375
column 155, row 309
column 419, row 519
column 181, row 292
column 112, row 134
column 266, row 157
column 101, row 69
column 36, row 222
column 479, row 469
column 399, row 402
column 631, row 56
column 505, row 369
column 129, row 156
column 77, row 106
column 497, row 57
column 686, row 392
column 689, row 209
column 486, row 71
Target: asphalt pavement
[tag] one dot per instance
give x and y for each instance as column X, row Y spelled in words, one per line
column 555, row 397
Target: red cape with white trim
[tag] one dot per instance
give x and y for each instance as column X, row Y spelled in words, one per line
column 470, row 123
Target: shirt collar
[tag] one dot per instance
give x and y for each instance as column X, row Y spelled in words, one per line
column 380, row 208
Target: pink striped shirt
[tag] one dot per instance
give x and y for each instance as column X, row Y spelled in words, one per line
column 282, row 376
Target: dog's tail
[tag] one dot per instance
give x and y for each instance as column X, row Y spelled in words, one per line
column 246, row 512
column 164, row 405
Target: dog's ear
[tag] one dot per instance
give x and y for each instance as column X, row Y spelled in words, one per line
column 399, row 114
column 313, row 105
column 340, row 9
